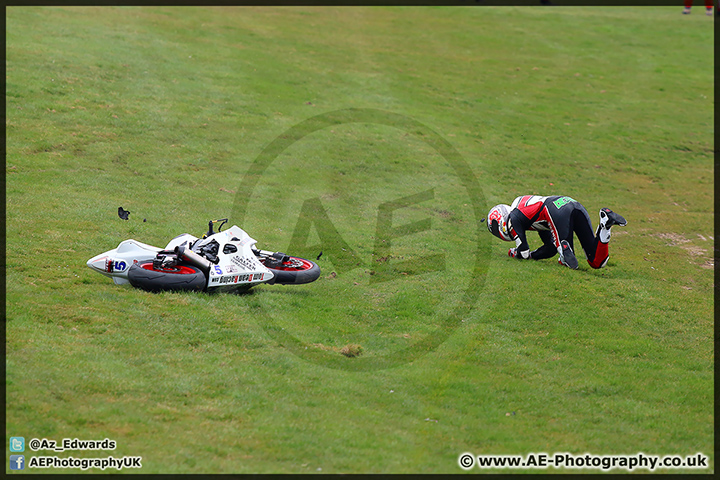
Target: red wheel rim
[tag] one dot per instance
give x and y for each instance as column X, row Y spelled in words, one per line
column 177, row 270
column 306, row 265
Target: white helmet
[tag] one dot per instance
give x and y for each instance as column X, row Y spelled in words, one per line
column 497, row 220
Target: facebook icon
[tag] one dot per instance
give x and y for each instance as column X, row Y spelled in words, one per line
column 17, row 462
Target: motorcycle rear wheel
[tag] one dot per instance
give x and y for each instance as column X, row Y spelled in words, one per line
column 180, row 278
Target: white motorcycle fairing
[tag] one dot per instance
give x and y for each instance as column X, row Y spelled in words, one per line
column 237, row 266
column 116, row 263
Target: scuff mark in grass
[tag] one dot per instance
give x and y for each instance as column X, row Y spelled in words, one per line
column 352, row 350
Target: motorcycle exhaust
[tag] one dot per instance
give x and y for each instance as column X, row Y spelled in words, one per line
column 193, row 259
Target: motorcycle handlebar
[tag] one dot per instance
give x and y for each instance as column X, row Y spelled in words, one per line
column 213, row 222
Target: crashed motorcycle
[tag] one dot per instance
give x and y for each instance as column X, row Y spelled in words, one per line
column 222, row 261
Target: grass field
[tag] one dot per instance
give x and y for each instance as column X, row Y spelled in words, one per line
column 429, row 117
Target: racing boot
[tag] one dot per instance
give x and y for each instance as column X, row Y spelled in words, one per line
column 567, row 256
column 608, row 219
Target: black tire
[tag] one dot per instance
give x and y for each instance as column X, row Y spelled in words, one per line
column 291, row 274
column 181, row 278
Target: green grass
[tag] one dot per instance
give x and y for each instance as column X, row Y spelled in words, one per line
column 164, row 111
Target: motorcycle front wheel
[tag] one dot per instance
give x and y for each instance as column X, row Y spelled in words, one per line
column 180, row 278
column 294, row 271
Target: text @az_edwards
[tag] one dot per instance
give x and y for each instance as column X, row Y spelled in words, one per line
column 71, row 444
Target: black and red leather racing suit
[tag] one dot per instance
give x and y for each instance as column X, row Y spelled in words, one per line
column 555, row 218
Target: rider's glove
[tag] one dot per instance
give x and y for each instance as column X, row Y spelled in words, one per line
column 520, row 255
